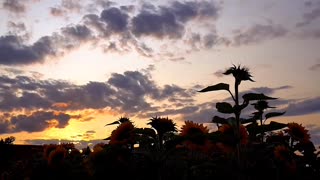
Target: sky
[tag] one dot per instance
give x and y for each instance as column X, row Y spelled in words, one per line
column 68, row 67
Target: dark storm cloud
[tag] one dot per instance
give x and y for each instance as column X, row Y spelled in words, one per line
column 35, row 122
column 117, row 21
column 313, row 13
column 15, row 6
column 258, row 33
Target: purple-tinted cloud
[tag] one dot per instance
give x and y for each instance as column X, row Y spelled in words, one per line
column 312, row 14
column 35, row 122
column 315, row 67
column 258, row 33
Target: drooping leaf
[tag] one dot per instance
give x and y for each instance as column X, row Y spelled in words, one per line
column 217, row 87
column 220, row 120
column 274, row 114
column 224, row 107
column 255, row 96
column 113, row 123
column 253, row 128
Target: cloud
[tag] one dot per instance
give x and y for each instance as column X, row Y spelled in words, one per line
column 16, row 27
column 54, row 11
column 13, row 51
column 312, row 14
column 258, row 33
column 304, row 107
column 66, row 7
column 78, row 32
column 132, row 92
column 14, row 6
column 116, row 20
column 219, row 73
column 35, row 122
column 79, row 144
column 169, row 21
column 315, row 67
column 160, row 25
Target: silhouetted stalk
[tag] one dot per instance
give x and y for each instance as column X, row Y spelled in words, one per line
column 237, row 132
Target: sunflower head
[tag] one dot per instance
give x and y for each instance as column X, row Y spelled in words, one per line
column 194, row 132
column 162, row 125
column 298, row 132
column 124, row 134
column 229, row 133
column 57, row 156
column 48, row 149
column 190, row 128
column 239, row 73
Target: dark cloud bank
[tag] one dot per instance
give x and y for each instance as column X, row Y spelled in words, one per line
column 47, row 102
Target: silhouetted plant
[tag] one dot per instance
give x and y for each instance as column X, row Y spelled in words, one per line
column 162, row 126
column 241, row 74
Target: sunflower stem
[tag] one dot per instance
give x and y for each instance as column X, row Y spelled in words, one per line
column 237, row 133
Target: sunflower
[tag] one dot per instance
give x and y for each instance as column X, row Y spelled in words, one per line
column 124, row 134
column 190, row 128
column 162, row 125
column 239, row 73
column 195, row 135
column 48, row 149
column 298, row 132
column 57, row 156
column 230, row 135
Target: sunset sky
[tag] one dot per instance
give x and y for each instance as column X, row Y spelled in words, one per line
column 68, row 67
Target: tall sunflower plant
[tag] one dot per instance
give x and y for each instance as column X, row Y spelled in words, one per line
column 258, row 100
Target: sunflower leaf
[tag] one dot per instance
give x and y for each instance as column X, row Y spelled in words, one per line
column 224, row 107
column 115, row 122
column 217, row 87
column 274, row 114
column 255, row 129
